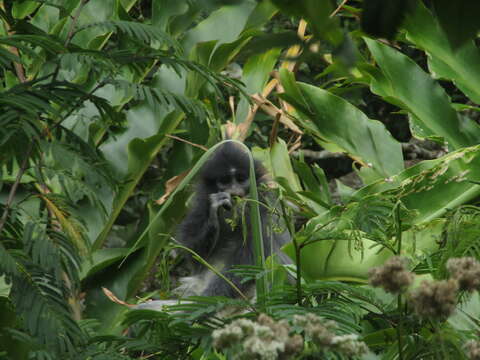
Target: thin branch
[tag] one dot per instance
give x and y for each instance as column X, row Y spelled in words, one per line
column 74, row 21
column 18, row 67
column 274, row 132
column 335, row 12
column 24, row 165
column 298, row 248
column 13, row 190
column 187, row 142
column 71, row 32
column 75, row 106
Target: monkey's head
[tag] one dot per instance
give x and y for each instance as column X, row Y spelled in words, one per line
column 228, row 170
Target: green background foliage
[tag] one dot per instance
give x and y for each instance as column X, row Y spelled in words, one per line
column 364, row 112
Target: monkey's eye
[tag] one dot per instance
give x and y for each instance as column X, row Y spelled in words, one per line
column 224, row 180
column 241, row 178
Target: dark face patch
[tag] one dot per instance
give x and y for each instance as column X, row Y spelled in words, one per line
column 235, row 182
column 228, row 170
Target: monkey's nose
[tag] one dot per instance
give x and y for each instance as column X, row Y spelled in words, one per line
column 237, row 191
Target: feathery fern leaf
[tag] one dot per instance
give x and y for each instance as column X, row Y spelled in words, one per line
column 143, row 32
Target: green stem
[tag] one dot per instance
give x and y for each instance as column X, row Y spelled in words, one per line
column 399, row 327
column 298, row 249
column 398, row 223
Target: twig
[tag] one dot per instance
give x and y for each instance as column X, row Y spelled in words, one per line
column 274, row 132
column 13, row 190
column 187, row 142
column 24, row 165
column 398, row 225
column 292, row 52
column 71, row 32
column 335, row 12
column 18, row 67
column 74, row 21
column 298, row 249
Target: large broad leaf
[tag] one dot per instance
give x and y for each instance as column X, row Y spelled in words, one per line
column 382, row 18
column 339, row 259
column 402, row 82
column 340, row 126
column 255, row 76
column 429, row 189
column 319, row 16
column 236, row 16
column 461, row 64
column 279, row 166
column 433, row 187
column 459, row 19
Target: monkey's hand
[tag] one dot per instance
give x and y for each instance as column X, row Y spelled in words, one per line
column 219, row 200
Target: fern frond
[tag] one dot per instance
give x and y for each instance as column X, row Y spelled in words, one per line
column 144, row 32
column 36, row 261
column 42, row 302
column 49, row 43
column 156, row 97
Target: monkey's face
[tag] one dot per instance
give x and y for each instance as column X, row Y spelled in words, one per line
column 234, row 182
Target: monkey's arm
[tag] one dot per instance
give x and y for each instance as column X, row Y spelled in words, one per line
column 217, row 286
column 200, row 229
column 242, row 254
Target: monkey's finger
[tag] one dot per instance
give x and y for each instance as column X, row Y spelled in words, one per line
column 226, row 204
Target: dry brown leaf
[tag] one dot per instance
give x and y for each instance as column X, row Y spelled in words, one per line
column 114, row 299
column 171, row 185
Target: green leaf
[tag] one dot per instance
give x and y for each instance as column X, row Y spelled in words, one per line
column 433, row 187
column 340, row 126
column 20, row 9
column 383, row 18
column 10, row 346
column 277, row 162
column 459, row 20
column 405, row 84
column 459, row 64
column 136, row 30
column 140, row 153
column 164, row 10
column 256, row 73
column 318, row 15
column 235, row 16
column 100, row 260
column 339, row 259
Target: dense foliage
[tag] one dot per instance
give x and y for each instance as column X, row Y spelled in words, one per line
column 364, row 112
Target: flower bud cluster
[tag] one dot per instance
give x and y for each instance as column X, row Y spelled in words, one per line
column 268, row 339
column 321, row 332
column 263, row 339
column 393, row 276
column 466, row 271
column 472, row 349
column 436, row 299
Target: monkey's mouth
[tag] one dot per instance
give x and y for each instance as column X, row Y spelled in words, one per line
column 237, row 192
column 234, row 201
